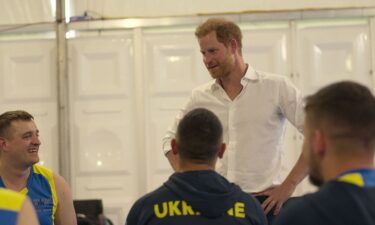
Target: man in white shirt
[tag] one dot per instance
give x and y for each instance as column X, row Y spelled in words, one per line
column 253, row 107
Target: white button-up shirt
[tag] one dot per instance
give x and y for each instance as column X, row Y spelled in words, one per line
column 253, row 124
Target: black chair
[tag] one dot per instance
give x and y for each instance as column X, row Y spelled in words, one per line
column 90, row 212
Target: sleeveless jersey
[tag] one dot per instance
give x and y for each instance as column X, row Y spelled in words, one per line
column 10, row 205
column 42, row 192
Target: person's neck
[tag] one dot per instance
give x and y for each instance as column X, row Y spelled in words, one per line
column 14, row 178
column 335, row 167
column 232, row 83
column 235, row 77
column 186, row 166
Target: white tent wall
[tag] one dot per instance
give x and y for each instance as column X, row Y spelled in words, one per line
column 28, row 82
column 26, row 11
column 151, row 8
column 104, row 96
column 35, row 11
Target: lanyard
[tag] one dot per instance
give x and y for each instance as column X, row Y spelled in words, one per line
column 359, row 177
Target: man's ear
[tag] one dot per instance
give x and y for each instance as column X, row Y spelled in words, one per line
column 3, row 142
column 319, row 143
column 174, row 147
column 233, row 45
column 221, row 151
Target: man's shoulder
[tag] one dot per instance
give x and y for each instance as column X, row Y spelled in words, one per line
column 143, row 208
column 150, row 198
column 335, row 201
column 44, row 171
column 299, row 210
column 312, row 200
column 268, row 77
column 310, row 205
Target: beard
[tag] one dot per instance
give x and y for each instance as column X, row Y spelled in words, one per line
column 315, row 176
column 316, row 181
column 222, row 70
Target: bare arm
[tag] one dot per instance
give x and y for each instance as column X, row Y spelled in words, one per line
column 292, row 106
column 171, row 133
column 279, row 194
column 27, row 215
column 65, row 214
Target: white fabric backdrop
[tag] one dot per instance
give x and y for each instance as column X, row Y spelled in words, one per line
column 34, row 11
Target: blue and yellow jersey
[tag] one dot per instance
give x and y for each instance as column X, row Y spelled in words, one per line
column 359, row 177
column 42, row 192
column 349, row 199
column 10, row 205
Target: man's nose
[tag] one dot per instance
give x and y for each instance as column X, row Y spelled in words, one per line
column 36, row 140
column 207, row 59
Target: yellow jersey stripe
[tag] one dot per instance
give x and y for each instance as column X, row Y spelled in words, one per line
column 48, row 174
column 10, row 200
column 353, row 178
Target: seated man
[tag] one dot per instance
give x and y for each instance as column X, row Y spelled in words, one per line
column 16, row 209
column 19, row 171
column 197, row 194
column 339, row 146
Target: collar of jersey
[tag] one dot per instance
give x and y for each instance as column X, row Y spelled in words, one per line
column 358, row 177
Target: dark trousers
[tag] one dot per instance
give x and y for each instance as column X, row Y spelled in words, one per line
column 270, row 216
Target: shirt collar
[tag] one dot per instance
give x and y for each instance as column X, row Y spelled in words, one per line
column 360, row 177
column 251, row 74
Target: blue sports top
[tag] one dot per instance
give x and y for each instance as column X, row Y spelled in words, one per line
column 359, row 177
column 347, row 200
column 10, row 205
column 41, row 189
